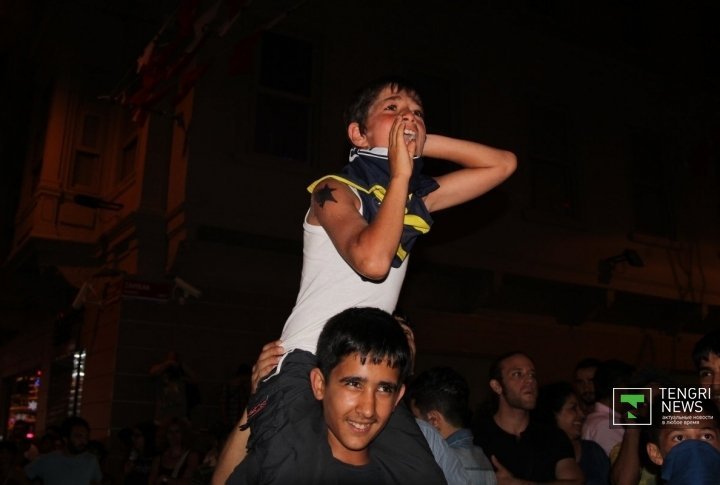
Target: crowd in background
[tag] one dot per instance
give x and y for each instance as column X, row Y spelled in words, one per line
column 170, row 450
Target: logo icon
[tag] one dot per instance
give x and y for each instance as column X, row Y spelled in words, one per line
column 632, row 406
column 633, row 400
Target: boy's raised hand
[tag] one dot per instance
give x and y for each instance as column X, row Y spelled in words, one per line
column 400, row 152
column 267, row 360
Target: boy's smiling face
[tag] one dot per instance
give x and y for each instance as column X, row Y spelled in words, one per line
column 357, row 400
column 383, row 112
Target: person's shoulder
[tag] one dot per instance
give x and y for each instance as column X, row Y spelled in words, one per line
column 334, row 182
column 480, row 457
column 432, row 436
column 331, row 189
column 547, row 435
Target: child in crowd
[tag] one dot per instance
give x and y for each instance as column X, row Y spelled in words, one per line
column 687, row 454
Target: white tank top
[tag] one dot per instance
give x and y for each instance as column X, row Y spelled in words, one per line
column 329, row 285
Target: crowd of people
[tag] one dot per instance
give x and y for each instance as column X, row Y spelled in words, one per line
column 171, row 453
column 526, row 433
column 334, row 401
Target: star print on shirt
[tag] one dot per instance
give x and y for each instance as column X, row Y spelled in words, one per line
column 323, row 195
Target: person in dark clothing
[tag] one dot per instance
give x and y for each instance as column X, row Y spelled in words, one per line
column 363, row 359
column 558, row 404
column 520, row 447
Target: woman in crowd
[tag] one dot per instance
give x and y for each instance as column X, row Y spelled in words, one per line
column 175, row 465
column 141, row 455
column 558, row 404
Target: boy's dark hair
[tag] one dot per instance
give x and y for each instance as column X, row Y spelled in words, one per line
column 551, row 399
column 652, row 433
column 444, row 390
column 357, row 110
column 70, row 423
column 710, row 343
column 611, row 373
column 370, row 332
column 587, row 363
column 495, row 371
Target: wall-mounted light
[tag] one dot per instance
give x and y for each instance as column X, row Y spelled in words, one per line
column 606, row 266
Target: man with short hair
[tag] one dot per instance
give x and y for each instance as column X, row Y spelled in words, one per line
column 706, row 357
column 584, row 383
column 450, row 463
column 72, row 465
column 363, row 360
column 523, row 450
column 19, row 435
column 440, row 397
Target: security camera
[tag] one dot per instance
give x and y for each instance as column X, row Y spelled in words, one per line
column 187, row 288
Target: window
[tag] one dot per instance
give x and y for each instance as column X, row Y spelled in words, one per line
column 76, row 385
column 128, row 149
column 127, row 160
column 41, row 113
column 85, row 167
column 283, row 107
column 85, row 171
column 282, row 127
column 65, row 387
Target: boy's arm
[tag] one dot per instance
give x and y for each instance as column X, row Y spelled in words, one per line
column 235, row 448
column 368, row 248
column 483, row 168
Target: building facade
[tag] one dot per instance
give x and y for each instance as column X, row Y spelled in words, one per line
column 167, row 153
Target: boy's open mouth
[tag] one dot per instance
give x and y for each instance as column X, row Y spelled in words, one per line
column 409, row 135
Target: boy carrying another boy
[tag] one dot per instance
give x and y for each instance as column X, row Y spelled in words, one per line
column 358, row 232
column 363, row 359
